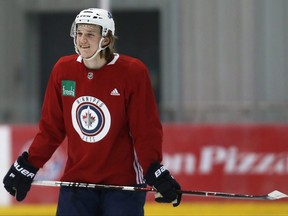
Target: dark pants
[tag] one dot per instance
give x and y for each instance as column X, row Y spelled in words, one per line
column 92, row 202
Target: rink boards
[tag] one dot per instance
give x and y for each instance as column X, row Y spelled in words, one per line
column 238, row 158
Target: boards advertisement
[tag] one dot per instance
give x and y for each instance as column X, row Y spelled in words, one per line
column 240, row 158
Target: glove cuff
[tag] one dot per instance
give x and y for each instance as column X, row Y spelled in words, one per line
column 155, row 172
column 24, row 167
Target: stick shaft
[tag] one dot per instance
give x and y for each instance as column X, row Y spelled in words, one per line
column 89, row 185
column 150, row 189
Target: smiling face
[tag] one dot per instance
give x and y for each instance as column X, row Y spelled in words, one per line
column 87, row 39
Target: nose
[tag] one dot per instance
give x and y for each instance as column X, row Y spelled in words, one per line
column 83, row 39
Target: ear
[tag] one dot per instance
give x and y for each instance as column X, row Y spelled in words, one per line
column 105, row 42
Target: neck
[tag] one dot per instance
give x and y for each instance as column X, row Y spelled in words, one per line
column 95, row 63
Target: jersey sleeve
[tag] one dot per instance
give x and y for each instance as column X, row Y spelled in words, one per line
column 144, row 122
column 51, row 125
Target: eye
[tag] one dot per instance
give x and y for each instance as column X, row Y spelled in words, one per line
column 79, row 34
column 90, row 35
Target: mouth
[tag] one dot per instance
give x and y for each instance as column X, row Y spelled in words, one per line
column 84, row 47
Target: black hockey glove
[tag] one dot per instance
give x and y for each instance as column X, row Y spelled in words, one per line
column 19, row 178
column 159, row 177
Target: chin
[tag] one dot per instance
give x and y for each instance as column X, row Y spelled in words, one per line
column 85, row 55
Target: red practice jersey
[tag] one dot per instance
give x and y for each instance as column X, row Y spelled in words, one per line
column 110, row 119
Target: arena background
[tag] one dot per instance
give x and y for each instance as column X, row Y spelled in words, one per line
column 219, row 72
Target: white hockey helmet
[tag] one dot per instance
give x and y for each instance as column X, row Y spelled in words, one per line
column 94, row 16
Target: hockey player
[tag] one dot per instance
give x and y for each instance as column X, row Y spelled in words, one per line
column 104, row 103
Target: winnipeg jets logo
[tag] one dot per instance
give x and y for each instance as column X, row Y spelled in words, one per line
column 88, row 118
column 91, row 118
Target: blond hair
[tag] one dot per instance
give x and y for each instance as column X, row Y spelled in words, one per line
column 108, row 53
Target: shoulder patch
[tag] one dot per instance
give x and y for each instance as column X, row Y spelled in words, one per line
column 68, row 88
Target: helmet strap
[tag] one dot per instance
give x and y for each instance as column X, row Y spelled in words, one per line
column 96, row 52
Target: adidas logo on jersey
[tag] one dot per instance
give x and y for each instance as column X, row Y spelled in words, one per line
column 115, row 92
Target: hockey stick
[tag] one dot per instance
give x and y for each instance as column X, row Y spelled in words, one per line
column 274, row 195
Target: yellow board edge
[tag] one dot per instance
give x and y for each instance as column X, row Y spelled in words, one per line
column 185, row 209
